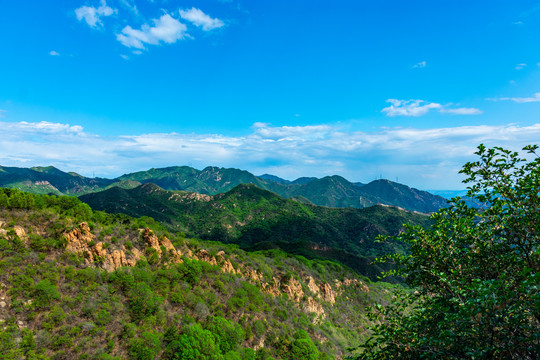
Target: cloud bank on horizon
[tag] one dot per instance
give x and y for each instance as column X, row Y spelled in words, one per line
column 286, row 151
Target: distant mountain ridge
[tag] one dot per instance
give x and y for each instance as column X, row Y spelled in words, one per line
column 46, row 180
column 331, row 191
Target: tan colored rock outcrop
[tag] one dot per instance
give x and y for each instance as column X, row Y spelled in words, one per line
column 80, row 240
column 312, row 286
column 203, row 255
column 272, row 288
column 20, row 232
column 314, row 306
column 152, row 240
column 293, row 289
column 328, row 294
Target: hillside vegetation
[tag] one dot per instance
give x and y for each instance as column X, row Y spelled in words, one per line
column 257, row 219
column 82, row 284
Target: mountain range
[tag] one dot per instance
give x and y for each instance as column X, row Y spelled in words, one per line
column 331, row 191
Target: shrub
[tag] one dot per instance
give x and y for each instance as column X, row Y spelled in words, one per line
column 44, row 293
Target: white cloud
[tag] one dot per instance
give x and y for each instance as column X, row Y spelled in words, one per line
column 199, row 18
column 42, row 127
column 93, row 15
column 2, row 113
column 534, row 98
column 520, row 66
column 421, row 64
column 166, row 29
column 409, row 107
column 290, row 132
column 422, row 107
column 131, row 7
column 424, row 158
column 125, row 57
column 462, row 111
column 54, row 53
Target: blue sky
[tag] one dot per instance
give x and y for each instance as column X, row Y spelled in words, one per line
column 362, row 89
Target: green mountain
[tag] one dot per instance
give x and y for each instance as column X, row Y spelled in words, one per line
column 388, row 192
column 331, row 191
column 83, row 284
column 210, row 180
column 257, row 219
column 45, row 180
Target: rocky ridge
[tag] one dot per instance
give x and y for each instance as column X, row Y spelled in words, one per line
column 305, row 290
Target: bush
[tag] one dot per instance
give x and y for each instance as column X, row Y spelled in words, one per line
column 142, row 301
column 476, row 272
column 44, row 293
column 228, row 335
column 146, row 347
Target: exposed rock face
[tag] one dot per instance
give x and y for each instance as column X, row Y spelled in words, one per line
column 272, row 288
column 312, row 286
column 328, row 294
column 356, row 282
column 203, row 255
column 81, row 240
column 314, row 306
column 293, row 289
column 152, row 241
column 19, row 231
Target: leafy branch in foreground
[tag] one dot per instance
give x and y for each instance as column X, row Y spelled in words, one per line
column 474, row 274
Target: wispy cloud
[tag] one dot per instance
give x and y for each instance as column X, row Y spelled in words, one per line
column 2, row 113
column 409, row 107
column 534, row 98
column 54, row 53
column 421, row 64
column 130, row 6
column 93, row 15
column 199, row 18
column 426, row 158
column 461, row 111
column 422, row 107
column 520, row 66
column 166, row 29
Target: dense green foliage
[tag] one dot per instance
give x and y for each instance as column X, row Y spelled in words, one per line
column 476, row 272
column 57, row 306
column 257, row 219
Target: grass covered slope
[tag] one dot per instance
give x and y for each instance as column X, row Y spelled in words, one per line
column 79, row 284
column 257, row 219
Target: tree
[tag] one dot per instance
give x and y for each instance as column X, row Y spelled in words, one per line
column 474, row 273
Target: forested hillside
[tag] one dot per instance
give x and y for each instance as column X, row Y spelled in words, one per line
column 82, row 284
column 257, row 219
